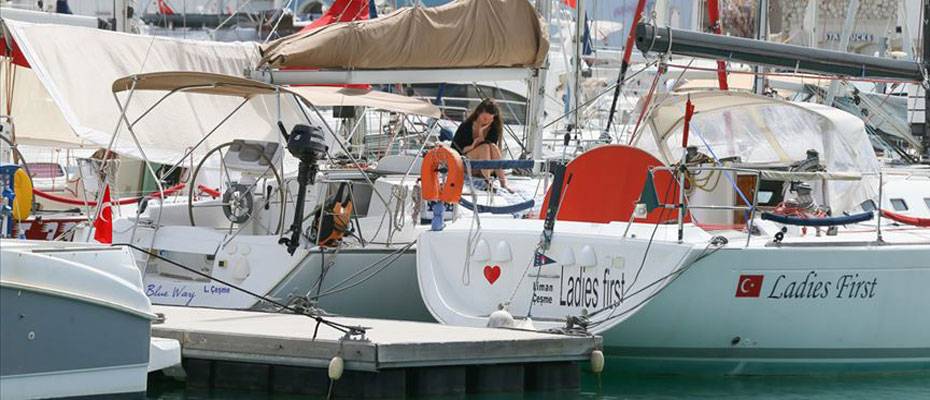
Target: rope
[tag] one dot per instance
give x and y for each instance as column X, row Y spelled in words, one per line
column 388, row 260
column 648, row 100
column 717, row 241
column 474, row 229
column 320, row 320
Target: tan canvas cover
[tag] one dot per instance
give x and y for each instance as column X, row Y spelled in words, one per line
column 461, row 34
column 226, row 85
column 194, row 82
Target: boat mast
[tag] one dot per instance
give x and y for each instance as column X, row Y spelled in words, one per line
column 762, row 29
column 537, row 93
column 119, row 15
column 851, row 11
column 624, row 62
column 925, row 62
column 579, row 49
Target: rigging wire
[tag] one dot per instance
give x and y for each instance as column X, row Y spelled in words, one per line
column 320, row 320
column 718, row 242
column 599, row 95
column 388, row 259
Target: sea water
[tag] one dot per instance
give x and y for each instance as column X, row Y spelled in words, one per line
column 898, row 386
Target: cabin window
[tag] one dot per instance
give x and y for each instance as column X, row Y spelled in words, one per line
column 765, row 196
column 899, row 204
column 868, row 205
column 927, row 201
column 45, row 170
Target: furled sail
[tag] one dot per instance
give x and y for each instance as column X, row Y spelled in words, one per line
column 461, row 34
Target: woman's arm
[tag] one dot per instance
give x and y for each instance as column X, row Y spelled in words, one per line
column 475, row 143
column 462, row 139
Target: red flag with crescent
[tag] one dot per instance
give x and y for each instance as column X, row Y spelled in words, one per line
column 749, row 285
column 103, row 225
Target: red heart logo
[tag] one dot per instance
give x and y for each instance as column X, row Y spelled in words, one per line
column 492, row 273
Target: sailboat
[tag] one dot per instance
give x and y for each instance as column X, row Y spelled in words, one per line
column 225, row 229
column 731, row 239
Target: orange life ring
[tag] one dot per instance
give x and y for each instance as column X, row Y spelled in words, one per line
column 450, row 190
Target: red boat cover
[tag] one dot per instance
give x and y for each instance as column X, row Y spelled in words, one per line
column 341, row 11
column 605, row 185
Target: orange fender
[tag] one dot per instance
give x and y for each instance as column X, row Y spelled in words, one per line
column 450, row 190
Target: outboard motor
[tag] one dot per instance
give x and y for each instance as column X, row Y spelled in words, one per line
column 307, row 145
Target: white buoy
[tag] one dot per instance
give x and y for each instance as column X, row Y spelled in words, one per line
column 336, row 365
column 597, row 361
column 500, row 319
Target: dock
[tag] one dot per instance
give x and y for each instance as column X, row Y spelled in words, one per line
column 276, row 352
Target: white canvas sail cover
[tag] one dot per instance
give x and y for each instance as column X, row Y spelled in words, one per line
column 461, row 34
column 760, row 130
column 77, row 67
column 37, row 119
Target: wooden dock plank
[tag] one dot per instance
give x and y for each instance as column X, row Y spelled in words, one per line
column 276, row 352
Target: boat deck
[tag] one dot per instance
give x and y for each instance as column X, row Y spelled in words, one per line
column 277, row 352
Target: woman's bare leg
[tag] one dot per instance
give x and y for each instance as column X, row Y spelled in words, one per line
column 482, row 152
column 495, row 154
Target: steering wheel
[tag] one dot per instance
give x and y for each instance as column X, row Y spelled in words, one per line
column 238, row 200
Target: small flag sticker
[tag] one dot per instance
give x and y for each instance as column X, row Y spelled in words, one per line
column 541, row 259
column 749, row 285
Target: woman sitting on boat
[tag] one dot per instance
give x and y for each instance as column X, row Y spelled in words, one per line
column 479, row 137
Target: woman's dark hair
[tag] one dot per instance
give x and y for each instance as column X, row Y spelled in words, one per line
column 496, row 130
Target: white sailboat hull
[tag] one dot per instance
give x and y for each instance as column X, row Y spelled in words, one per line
column 817, row 308
column 760, row 308
column 588, row 271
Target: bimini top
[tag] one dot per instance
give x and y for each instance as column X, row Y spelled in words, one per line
column 763, row 130
column 194, row 82
column 461, row 34
column 228, row 85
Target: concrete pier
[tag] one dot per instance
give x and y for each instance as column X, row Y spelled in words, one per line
column 266, row 352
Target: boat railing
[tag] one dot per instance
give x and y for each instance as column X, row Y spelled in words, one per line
column 682, row 205
column 751, row 206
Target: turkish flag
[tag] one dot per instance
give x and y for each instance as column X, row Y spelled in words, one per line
column 103, row 225
column 749, row 285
